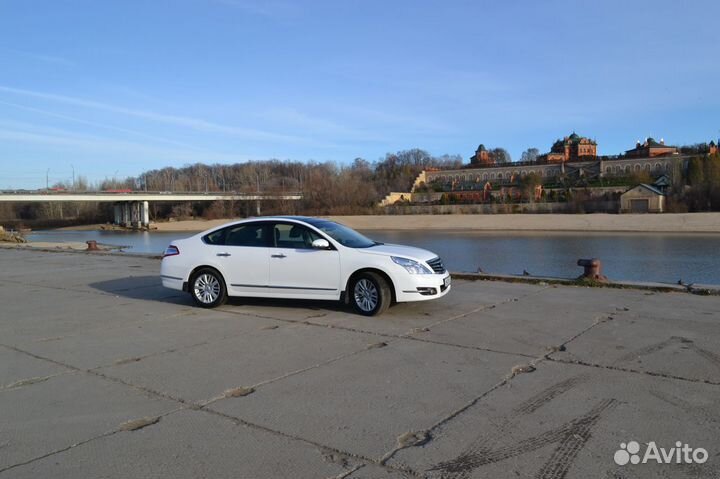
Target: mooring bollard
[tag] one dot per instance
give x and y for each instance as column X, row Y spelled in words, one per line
column 92, row 246
column 592, row 270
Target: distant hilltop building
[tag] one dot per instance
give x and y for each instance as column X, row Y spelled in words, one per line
column 712, row 148
column 651, row 149
column 571, row 148
column 481, row 157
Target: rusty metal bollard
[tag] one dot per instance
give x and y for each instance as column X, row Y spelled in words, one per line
column 592, row 270
column 92, row 246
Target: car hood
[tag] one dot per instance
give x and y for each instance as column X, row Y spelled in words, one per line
column 400, row 250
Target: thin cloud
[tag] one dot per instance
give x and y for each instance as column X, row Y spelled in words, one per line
column 104, row 145
column 314, row 124
column 43, row 58
column 95, row 124
column 392, row 119
column 263, row 8
column 196, row 124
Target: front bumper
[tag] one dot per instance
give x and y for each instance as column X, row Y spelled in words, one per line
column 422, row 287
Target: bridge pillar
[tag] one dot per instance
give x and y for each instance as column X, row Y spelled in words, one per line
column 146, row 214
column 117, row 210
column 126, row 215
column 135, row 214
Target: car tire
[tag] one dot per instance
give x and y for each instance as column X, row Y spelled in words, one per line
column 370, row 294
column 207, row 288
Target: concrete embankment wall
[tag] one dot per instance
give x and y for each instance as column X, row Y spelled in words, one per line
column 600, row 222
column 497, row 208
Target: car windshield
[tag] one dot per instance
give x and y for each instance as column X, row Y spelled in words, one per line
column 343, row 235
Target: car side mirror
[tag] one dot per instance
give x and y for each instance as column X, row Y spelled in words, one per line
column 320, row 243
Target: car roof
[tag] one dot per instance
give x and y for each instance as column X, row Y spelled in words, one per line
column 305, row 219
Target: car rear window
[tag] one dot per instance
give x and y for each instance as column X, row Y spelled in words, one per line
column 248, row 234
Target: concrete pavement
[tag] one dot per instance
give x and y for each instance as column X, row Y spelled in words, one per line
column 104, row 373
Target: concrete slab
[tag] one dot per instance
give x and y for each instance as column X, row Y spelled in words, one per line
column 53, row 313
column 528, row 324
column 568, row 421
column 73, row 275
column 206, row 371
column 368, row 400
column 400, row 319
column 686, row 348
column 123, row 342
column 188, row 444
column 44, row 417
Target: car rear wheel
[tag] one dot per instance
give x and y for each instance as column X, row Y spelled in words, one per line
column 370, row 294
column 208, row 288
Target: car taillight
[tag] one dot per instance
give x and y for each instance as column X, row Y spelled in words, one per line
column 171, row 250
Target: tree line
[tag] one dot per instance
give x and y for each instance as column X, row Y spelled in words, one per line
column 327, row 187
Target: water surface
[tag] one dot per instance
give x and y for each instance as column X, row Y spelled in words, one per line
column 634, row 256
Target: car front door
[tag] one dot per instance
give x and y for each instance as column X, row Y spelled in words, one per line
column 243, row 253
column 298, row 268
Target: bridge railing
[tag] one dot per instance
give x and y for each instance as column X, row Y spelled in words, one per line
column 139, row 193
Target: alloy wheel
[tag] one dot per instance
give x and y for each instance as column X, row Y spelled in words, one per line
column 366, row 295
column 207, row 288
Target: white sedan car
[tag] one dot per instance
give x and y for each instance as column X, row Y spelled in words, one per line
column 302, row 258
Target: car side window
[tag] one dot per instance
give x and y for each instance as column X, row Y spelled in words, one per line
column 295, row 236
column 216, row 237
column 252, row 234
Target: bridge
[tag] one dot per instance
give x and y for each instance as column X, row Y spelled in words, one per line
column 132, row 207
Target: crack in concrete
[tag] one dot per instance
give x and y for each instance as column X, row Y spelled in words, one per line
column 134, row 359
column 487, row 306
column 119, row 429
column 222, row 396
column 598, row 320
column 93, row 372
column 382, row 335
column 322, row 447
column 631, row 370
column 57, row 451
column 345, row 474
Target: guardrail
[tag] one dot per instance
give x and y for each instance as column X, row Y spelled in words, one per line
column 135, row 192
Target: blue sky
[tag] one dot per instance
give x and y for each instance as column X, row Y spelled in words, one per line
column 113, row 88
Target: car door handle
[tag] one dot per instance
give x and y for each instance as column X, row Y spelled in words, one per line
column 278, row 256
column 223, row 254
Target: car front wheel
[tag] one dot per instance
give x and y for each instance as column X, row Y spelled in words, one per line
column 208, row 288
column 370, row 294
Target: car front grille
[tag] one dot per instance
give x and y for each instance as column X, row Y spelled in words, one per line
column 437, row 265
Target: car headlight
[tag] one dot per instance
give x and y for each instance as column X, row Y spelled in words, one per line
column 412, row 267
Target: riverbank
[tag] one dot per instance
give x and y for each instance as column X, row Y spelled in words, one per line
column 46, row 245
column 641, row 223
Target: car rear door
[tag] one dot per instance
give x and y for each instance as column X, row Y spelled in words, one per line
column 242, row 252
column 296, row 268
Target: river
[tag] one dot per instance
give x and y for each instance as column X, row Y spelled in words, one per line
column 656, row 257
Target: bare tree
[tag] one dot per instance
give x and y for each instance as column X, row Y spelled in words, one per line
column 530, row 155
